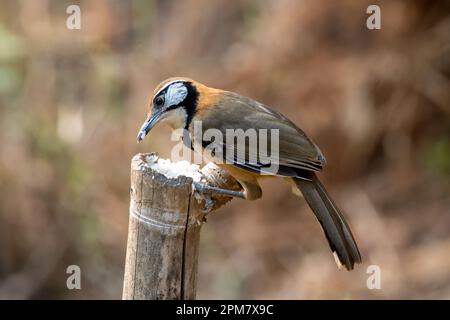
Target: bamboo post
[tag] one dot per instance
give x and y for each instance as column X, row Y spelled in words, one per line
column 164, row 226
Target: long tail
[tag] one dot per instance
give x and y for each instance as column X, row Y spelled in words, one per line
column 333, row 223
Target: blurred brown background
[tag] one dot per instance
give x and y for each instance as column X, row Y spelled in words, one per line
column 376, row 102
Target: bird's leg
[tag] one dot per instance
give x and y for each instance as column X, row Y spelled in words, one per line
column 203, row 188
column 207, row 191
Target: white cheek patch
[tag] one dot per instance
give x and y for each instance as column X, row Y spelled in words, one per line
column 175, row 94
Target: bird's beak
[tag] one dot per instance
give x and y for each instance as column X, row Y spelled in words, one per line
column 151, row 121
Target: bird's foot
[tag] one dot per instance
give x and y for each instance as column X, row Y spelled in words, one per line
column 205, row 192
column 209, row 203
column 205, row 189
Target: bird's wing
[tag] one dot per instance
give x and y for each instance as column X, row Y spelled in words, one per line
column 295, row 152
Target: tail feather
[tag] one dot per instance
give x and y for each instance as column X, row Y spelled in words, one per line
column 333, row 223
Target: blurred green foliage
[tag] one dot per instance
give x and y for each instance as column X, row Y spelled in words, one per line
column 437, row 156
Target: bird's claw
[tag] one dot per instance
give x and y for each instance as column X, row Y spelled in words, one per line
column 206, row 197
column 209, row 204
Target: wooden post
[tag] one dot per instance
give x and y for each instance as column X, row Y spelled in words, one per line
column 164, row 226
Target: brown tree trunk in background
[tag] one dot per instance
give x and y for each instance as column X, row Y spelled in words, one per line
column 164, row 231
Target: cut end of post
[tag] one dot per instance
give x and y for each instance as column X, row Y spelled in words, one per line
column 169, row 169
column 210, row 174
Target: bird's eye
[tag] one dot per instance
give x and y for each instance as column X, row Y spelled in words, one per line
column 159, row 101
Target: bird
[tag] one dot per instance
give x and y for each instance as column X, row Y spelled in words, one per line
column 181, row 102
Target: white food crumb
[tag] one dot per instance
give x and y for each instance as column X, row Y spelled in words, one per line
column 173, row 170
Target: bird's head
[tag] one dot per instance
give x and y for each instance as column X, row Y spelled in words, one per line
column 174, row 102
